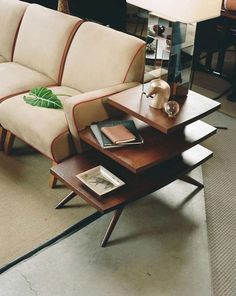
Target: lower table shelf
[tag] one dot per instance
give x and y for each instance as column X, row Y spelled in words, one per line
column 137, row 185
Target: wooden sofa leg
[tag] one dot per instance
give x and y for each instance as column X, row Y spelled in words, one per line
column 3, row 133
column 52, row 179
column 9, row 141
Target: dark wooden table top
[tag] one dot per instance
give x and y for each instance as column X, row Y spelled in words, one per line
column 137, row 185
column 157, row 147
column 192, row 108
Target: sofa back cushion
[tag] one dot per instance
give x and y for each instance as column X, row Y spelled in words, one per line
column 11, row 12
column 100, row 57
column 43, row 38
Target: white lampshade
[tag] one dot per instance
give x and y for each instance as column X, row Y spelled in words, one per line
column 186, row 11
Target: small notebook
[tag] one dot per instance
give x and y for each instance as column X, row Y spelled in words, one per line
column 118, row 134
column 106, row 143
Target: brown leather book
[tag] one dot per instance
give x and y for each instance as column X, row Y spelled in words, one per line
column 118, row 134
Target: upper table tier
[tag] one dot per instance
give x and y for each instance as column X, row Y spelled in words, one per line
column 192, row 108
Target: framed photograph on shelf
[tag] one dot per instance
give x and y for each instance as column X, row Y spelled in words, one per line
column 100, row 180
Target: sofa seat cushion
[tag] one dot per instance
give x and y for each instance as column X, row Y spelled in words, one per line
column 15, row 79
column 2, row 59
column 44, row 129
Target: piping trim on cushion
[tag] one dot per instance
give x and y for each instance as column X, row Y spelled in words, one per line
column 31, row 146
column 15, row 38
column 12, row 95
column 21, row 92
column 53, row 158
column 66, row 50
column 88, row 100
column 66, row 131
column 54, row 140
column 130, row 65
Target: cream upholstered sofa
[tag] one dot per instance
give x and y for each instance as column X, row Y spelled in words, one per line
column 39, row 46
column 11, row 13
column 82, row 59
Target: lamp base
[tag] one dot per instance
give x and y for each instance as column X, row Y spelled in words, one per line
column 179, row 90
column 169, row 51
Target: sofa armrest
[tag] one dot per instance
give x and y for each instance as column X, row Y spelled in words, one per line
column 83, row 109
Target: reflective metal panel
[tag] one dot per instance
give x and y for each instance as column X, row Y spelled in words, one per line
column 169, row 49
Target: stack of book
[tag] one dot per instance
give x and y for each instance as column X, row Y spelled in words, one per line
column 116, row 133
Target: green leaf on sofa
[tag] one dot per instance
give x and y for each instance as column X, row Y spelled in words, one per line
column 43, row 97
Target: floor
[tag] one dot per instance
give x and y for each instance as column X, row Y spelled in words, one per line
column 220, row 192
column 158, row 248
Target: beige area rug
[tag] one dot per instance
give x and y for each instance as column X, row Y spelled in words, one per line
column 219, row 176
column 158, row 248
column 212, row 86
column 27, row 215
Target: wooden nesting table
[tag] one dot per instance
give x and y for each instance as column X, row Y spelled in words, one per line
column 170, row 151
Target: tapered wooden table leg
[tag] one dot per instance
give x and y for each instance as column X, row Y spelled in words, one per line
column 2, row 137
column 52, row 181
column 192, row 181
column 9, row 141
column 69, row 197
column 111, row 226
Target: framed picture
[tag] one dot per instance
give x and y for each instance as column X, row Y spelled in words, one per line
column 100, row 180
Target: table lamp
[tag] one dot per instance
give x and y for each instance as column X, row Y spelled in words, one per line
column 169, row 29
